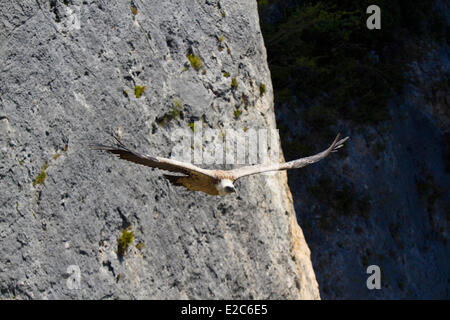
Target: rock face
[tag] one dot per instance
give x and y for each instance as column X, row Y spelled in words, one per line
column 401, row 166
column 71, row 73
column 384, row 200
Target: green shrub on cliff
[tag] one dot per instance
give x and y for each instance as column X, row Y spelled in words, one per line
column 126, row 238
column 322, row 52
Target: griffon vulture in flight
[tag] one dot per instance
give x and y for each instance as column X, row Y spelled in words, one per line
column 212, row 182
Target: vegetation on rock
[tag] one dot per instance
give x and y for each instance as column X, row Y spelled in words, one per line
column 126, row 238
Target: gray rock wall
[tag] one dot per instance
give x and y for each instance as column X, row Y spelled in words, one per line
column 68, row 71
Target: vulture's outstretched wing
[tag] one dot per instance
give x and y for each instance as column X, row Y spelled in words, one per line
column 154, row 162
column 294, row 164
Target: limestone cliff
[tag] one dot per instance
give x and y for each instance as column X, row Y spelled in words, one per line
column 71, row 73
column 383, row 200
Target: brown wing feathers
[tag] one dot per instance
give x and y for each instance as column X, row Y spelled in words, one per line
column 249, row 170
column 294, row 164
column 191, row 170
column 154, row 162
